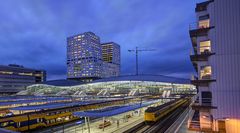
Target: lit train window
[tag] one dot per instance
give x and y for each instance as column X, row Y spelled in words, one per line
column 18, row 124
column 4, row 124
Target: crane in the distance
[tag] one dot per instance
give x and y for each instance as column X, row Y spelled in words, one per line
column 136, row 50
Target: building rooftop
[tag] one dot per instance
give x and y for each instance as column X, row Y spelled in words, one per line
column 18, row 67
column 114, row 110
column 63, row 82
column 153, row 78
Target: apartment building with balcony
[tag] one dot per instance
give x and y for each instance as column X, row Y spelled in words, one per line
column 215, row 39
column 15, row 78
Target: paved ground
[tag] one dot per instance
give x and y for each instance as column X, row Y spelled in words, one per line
column 124, row 124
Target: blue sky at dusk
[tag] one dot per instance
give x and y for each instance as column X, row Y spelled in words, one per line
column 33, row 32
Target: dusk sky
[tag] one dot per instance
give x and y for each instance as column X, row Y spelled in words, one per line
column 33, row 32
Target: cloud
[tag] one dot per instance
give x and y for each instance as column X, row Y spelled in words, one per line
column 33, row 33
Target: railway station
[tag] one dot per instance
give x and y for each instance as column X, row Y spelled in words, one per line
column 117, row 104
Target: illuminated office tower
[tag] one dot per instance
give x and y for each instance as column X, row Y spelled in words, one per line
column 84, row 57
column 216, row 58
column 15, row 78
column 111, row 59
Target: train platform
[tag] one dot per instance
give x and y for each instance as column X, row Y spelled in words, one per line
column 123, row 119
column 119, row 124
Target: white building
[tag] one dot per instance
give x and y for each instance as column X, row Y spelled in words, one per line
column 87, row 59
column 216, row 57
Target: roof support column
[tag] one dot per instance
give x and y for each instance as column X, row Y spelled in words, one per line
column 103, row 123
column 87, row 123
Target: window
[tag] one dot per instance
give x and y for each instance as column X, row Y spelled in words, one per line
column 204, row 21
column 205, row 47
column 207, row 97
column 206, row 72
column 4, row 124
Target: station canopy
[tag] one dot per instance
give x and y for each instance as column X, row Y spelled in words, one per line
column 114, row 110
column 120, row 84
column 29, row 100
column 55, row 105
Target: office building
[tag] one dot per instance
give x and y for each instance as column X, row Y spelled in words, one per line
column 88, row 60
column 111, row 59
column 215, row 39
column 84, row 56
column 15, row 78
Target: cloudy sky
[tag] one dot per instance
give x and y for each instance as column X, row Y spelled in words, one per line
column 33, row 32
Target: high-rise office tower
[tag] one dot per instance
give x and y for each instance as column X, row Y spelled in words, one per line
column 84, row 56
column 111, row 58
column 88, row 59
column 216, row 58
column 15, row 78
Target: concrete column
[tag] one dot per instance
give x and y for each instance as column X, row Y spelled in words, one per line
column 103, row 123
column 88, row 124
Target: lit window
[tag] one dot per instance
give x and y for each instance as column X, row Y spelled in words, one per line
column 205, row 47
column 203, row 23
column 206, row 72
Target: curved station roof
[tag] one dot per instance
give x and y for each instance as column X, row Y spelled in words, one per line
column 153, row 78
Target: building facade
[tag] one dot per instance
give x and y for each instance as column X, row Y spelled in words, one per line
column 84, row 56
column 15, row 78
column 216, row 59
column 88, row 60
column 111, row 59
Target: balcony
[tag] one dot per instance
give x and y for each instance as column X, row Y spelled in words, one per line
column 196, row 30
column 202, row 6
column 204, row 81
column 205, row 105
column 194, row 123
column 201, row 57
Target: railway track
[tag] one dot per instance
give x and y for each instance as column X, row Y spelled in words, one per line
column 160, row 126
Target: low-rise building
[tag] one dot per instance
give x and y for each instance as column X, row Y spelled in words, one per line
column 15, row 78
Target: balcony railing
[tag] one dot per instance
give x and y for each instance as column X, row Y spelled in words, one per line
column 201, row 82
column 206, row 104
column 201, row 57
column 196, row 30
column 194, row 123
column 202, row 6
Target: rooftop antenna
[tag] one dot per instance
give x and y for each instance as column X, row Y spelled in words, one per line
column 136, row 50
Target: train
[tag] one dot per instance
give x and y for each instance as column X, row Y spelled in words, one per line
column 46, row 118
column 153, row 114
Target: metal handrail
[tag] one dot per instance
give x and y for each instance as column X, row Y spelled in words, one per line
column 195, row 26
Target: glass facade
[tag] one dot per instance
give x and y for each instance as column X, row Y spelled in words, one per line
column 112, row 86
column 84, row 56
column 88, row 59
